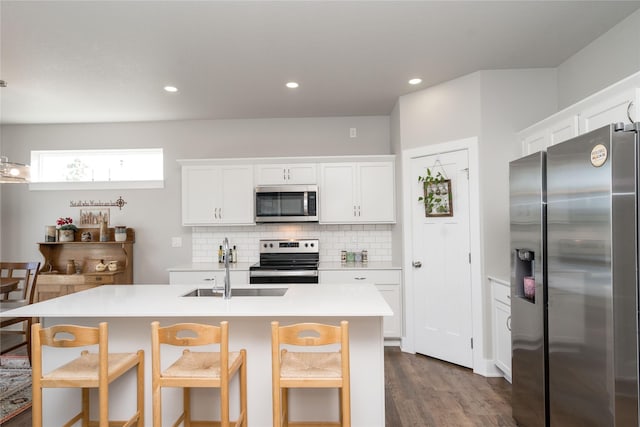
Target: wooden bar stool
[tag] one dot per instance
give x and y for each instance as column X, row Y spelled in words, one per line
column 90, row 370
column 309, row 369
column 198, row 369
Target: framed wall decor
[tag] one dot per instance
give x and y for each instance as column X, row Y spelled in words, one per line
column 437, row 198
column 93, row 216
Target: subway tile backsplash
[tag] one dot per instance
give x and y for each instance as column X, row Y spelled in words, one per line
column 375, row 238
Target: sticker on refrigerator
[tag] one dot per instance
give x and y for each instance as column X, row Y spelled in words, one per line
column 598, row 155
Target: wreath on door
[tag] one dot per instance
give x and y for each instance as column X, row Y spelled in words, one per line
column 437, row 198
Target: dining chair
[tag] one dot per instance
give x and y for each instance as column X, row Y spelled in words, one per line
column 23, row 293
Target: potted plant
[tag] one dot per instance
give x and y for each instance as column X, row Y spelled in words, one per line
column 66, row 229
column 437, row 197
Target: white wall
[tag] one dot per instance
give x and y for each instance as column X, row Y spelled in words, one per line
column 156, row 214
column 608, row 59
column 509, row 100
column 441, row 113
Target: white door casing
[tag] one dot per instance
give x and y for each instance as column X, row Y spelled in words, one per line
column 481, row 365
column 442, row 285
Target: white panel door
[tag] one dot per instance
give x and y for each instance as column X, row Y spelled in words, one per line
column 442, row 295
column 337, row 187
column 377, row 189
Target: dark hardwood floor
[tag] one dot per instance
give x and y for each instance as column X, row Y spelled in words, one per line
column 421, row 391
column 425, row 392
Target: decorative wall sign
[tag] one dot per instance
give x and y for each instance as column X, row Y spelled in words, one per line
column 119, row 203
column 437, row 198
column 94, row 216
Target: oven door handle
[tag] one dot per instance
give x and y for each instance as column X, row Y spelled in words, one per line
column 283, row 273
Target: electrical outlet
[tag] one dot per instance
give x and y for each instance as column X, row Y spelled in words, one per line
column 176, row 242
column 353, row 133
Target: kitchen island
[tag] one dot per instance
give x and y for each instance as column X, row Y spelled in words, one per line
column 131, row 309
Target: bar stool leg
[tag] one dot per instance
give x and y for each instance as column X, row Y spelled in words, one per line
column 186, row 406
column 140, row 388
column 285, row 407
column 157, row 405
column 243, row 387
column 85, row 407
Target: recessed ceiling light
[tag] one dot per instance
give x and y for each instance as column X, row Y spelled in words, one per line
column 292, row 85
column 171, row 89
column 415, row 81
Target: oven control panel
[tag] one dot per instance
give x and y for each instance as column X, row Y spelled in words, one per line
column 289, row 246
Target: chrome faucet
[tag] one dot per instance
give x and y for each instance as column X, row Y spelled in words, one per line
column 227, row 280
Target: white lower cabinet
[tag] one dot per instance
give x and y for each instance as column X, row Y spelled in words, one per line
column 502, row 326
column 388, row 283
column 208, row 279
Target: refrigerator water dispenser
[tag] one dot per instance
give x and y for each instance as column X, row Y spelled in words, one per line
column 525, row 274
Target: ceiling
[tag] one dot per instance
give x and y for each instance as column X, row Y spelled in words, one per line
column 107, row 61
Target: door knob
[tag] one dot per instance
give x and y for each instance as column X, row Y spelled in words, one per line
column 417, row 264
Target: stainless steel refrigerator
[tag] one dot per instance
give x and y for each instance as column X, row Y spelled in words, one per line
column 527, row 178
column 575, row 330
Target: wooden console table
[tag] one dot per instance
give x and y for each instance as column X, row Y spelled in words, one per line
column 53, row 280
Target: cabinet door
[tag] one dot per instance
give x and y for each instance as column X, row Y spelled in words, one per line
column 538, row 141
column 376, row 201
column 337, row 187
column 612, row 110
column 392, row 326
column 563, row 130
column 208, row 279
column 502, row 330
column 200, row 194
column 302, row 173
column 236, row 195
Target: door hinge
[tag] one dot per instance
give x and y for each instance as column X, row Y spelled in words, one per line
column 471, row 342
column 469, row 257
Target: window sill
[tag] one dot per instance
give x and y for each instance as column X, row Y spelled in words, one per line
column 95, row 185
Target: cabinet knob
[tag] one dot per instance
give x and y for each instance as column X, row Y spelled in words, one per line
column 417, row 264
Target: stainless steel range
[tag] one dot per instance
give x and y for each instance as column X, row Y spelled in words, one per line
column 286, row 261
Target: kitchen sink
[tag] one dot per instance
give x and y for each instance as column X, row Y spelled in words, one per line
column 242, row 292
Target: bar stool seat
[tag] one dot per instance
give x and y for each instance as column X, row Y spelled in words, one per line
column 90, row 370
column 310, row 369
column 198, row 364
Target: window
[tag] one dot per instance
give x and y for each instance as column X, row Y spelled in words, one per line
column 97, row 169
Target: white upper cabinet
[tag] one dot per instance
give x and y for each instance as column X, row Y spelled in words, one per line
column 301, row 173
column 561, row 129
column 362, row 192
column 611, row 110
column 611, row 105
column 217, row 195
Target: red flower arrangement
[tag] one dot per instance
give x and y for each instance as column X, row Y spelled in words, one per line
column 66, row 224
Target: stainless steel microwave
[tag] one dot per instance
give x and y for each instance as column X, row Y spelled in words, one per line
column 287, row 203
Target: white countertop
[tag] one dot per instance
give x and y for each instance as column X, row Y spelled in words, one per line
column 244, row 266
column 360, row 300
